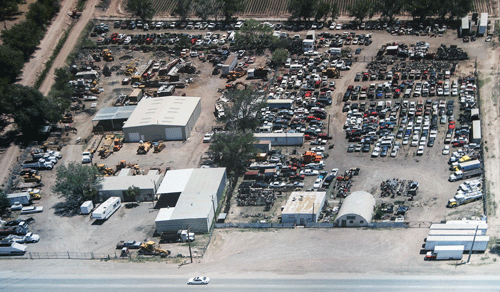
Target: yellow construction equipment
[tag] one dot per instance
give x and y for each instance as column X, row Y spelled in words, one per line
column 93, row 144
column 107, row 146
column 158, row 146
column 331, row 73
column 68, row 118
column 35, row 194
column 107, row 56
column 149, row 248
column 32, row 178
column 105, row 170
column 144, row 147
column 131, row 69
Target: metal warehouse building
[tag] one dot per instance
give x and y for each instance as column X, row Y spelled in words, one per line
column 281, row 139
column 117, row 186
column 356, row 210
column 303, row 207
column 112, row 118
column 198, row 191
column 163, row 118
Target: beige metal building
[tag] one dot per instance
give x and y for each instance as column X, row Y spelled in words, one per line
column 303, row 207
column 162, row 118
column 356, row 210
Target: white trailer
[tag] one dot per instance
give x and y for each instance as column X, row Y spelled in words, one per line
column 21, row 198
column 446, row 252
column 106, row 209
column 12, row 248
column 459, row 232
column 480, row 243
column 86, row 207
column 481, row 230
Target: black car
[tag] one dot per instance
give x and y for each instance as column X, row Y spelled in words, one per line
column 431, row 142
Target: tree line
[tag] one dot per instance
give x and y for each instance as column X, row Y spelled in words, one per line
column 26, row 106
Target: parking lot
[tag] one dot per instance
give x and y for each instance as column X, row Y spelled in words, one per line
column 430, row 169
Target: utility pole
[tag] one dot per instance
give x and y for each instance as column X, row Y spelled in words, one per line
column 189, row 244
column 472, row 246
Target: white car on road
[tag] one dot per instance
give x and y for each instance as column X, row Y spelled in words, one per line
column 199, row 281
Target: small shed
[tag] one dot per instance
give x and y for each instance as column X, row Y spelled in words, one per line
column 356, row 210
column 303, row 207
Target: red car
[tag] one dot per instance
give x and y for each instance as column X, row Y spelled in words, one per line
column 451, row 125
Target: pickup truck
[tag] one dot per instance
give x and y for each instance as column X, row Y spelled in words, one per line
column 131, row 244
column 28, row 238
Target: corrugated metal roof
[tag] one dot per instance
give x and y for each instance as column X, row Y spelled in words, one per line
column 358, row 203
column 166, row 110
column 114, row 113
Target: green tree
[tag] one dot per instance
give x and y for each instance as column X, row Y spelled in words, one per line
column 24, row 37
column 459, row 8
column 38, row 13
column 133, row 193
column 8, row 8
column 421, row 9
column 361, row 9
column 302, row 9
column 243, row 110
column 334, row 11
column 11, row 63
column 4, row 202
column 30, row 109
column 233, row 150
column 204, row 9
column 141, row 8
column 182, row 8
column 62, row 87
column 231, row 7
column 279, row 56
column 390, row 8
column 77, row 183
column 323, row 9
column 253, row 35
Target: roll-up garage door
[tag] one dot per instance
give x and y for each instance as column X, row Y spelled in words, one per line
column 133, row 137
column 173, row 133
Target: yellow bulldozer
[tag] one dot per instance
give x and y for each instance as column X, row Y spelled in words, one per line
column 32, row 178
column 35, row 194
column 149, row 248
column 105, row 170
column 144, row 148
column 107, row 56
column 331, row 73
column 158, row 146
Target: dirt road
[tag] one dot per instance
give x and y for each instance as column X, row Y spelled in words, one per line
column 47, row 45
column 87, row 14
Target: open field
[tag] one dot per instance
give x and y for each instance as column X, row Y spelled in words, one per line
column 266, row 8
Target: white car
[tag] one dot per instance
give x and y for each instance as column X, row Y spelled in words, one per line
column 199, row 281
column 309, row 172
column 446, row 150
column 277, row 184
column 338, row 27
column 376, row 152
column 318, row 149
column 420, row 150
column 334, row 172
column 317, row 183
column 208, row 137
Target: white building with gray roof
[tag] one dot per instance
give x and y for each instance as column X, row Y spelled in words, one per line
column 356, row 210
column 162, row 118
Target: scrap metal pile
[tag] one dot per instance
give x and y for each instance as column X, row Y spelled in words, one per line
column 255, row 194
column 344, row 183
column 451, row 53
column 396, row 187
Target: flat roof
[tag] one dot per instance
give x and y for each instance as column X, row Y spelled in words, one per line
column 197, row 187
column 174, row 181
column 113, row 183
column 166, row 111
column 456, row 226
column 304, row 203
column 164, row 214
column 114, row 113
column 458, row 238
column 465, row 22
column 289, row 135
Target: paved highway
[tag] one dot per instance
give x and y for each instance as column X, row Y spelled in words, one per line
column 165, row 283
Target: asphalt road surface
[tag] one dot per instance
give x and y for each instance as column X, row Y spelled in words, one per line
column 165, row 283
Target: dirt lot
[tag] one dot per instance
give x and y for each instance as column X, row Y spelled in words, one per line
column 247, row 250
